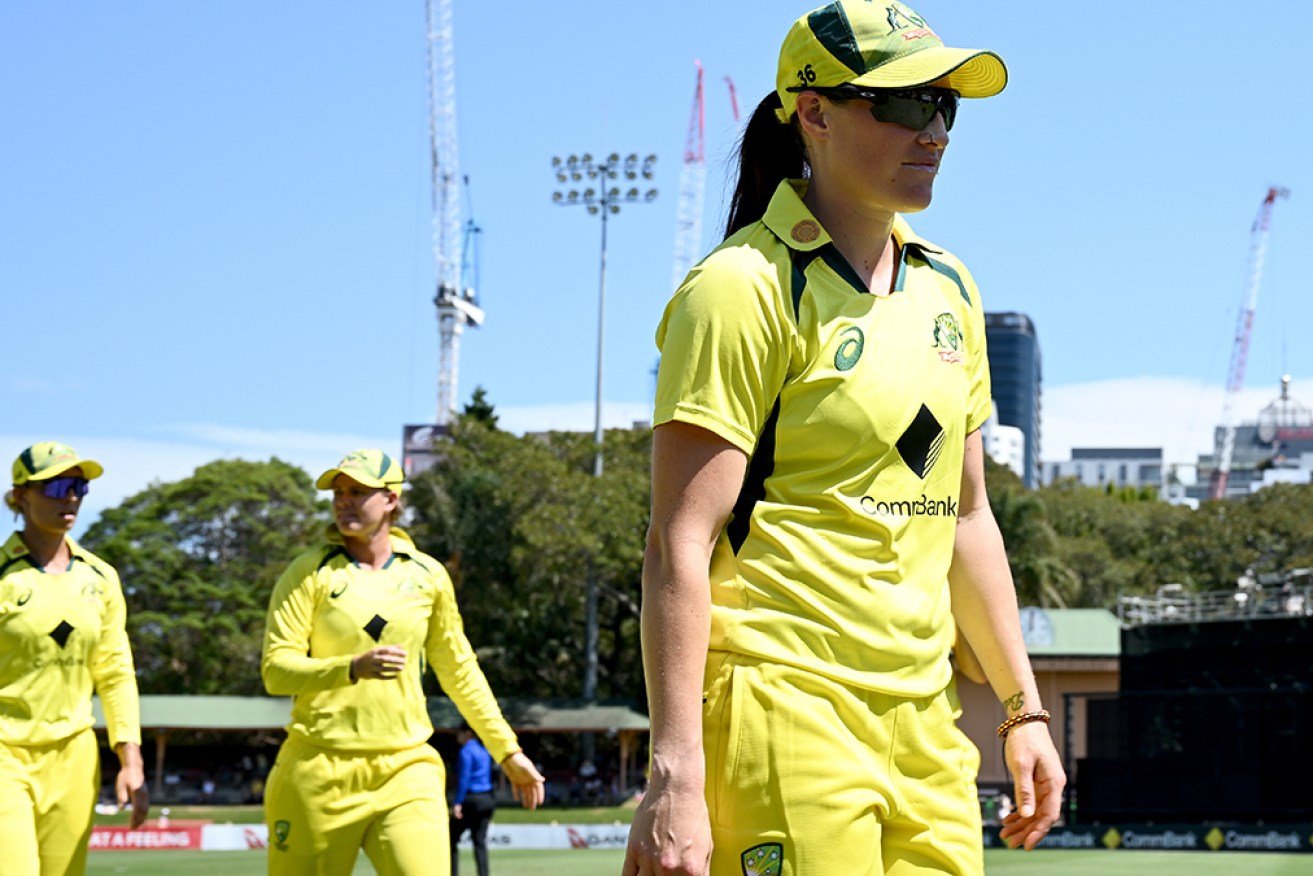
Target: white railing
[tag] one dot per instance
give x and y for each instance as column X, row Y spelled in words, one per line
column 1178, row 607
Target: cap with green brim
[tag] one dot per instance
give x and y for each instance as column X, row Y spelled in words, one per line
column 370, row 467
column 877, row 45
column 49, row 459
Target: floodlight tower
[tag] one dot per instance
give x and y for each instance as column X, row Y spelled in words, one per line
column 457, row 304
column 603, row 201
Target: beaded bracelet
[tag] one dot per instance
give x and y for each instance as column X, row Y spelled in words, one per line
column 1022, row 718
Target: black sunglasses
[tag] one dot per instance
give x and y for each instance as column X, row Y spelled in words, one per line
column 912, row 108
column 58, row 488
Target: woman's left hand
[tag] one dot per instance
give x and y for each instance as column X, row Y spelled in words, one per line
column 130, row 784
column 529, row 786
column 1039, row 779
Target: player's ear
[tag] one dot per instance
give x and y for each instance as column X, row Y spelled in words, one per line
column 812, row 120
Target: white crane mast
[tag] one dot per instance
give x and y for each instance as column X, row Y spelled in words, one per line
column 692, row 186
column 1235, row 381
column 457, row 307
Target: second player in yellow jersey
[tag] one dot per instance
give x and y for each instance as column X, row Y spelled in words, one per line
column 353, row 625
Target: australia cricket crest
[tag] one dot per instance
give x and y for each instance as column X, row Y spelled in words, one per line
column 766, row 859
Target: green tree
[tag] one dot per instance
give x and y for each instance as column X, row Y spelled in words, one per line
column 198, row 559
column 481, row 409
column 518, row 521
column 1038, row 573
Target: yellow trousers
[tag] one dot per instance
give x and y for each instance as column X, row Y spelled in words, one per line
column 47, row 802
column 807, row 776
column 323, row 806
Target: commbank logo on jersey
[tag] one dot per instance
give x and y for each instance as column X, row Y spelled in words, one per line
column 948, row 338
column 61, row 633
column 850, row 348
column 920, row 447
column 766, row 859
column 375, row 627
column 922, row 442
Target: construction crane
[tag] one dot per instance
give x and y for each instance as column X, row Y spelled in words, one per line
column 457, row 303
column 693, row 183
column 1240, row 349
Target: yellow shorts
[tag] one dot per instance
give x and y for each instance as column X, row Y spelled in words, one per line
column 323, row 805
column 47, row 802
column 807, row 776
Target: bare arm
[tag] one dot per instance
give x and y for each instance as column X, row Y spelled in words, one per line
column 696, row 478
column 985, row 608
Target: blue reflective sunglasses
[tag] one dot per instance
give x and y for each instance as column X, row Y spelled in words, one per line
column 59, row 488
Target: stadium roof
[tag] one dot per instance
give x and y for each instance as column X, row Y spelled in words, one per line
column 549, row 716
column 209, row 713
column 272, row 713
column 1071, row 632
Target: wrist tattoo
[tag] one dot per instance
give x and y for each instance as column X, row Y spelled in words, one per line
column 1014, row 702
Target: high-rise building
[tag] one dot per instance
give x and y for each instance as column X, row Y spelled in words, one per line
column 1120, row 466
column 1014, row 372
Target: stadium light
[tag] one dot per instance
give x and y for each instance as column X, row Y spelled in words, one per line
column 603, row 196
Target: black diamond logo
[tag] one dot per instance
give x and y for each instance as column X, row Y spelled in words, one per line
column 375, row 627
column 921, row 443
column 61, row 633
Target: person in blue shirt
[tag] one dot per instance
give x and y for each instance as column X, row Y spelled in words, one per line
column 474, row 802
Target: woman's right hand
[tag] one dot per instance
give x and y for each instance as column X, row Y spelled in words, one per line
column 385, row 661
column 671, row 833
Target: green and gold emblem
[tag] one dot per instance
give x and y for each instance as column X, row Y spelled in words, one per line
column 766, row 859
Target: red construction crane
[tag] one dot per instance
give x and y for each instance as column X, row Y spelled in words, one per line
column 1240, row 351
column 693, row 183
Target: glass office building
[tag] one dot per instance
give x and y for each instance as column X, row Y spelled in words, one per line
column 1014, row 372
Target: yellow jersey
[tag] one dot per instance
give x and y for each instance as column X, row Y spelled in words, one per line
column 63, row 638
column 325, row 610
column 854, row 409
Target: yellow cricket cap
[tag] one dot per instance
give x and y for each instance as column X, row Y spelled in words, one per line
column 49, row 459
column 370, row 467
column 877, row 45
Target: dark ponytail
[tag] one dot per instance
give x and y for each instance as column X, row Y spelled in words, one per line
column 768, row 152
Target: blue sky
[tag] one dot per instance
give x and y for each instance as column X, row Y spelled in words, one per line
column 215, row 217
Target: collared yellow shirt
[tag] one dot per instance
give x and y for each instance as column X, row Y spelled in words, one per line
column 854, row 409
column 62, row 637
column 325, row 609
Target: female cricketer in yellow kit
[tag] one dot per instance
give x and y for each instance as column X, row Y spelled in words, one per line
column 62, row 638
column 352, row 627
column 820, row 531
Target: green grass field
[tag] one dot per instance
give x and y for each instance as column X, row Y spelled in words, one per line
column 607, row 863
column 533, row 862
column 505, row 815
